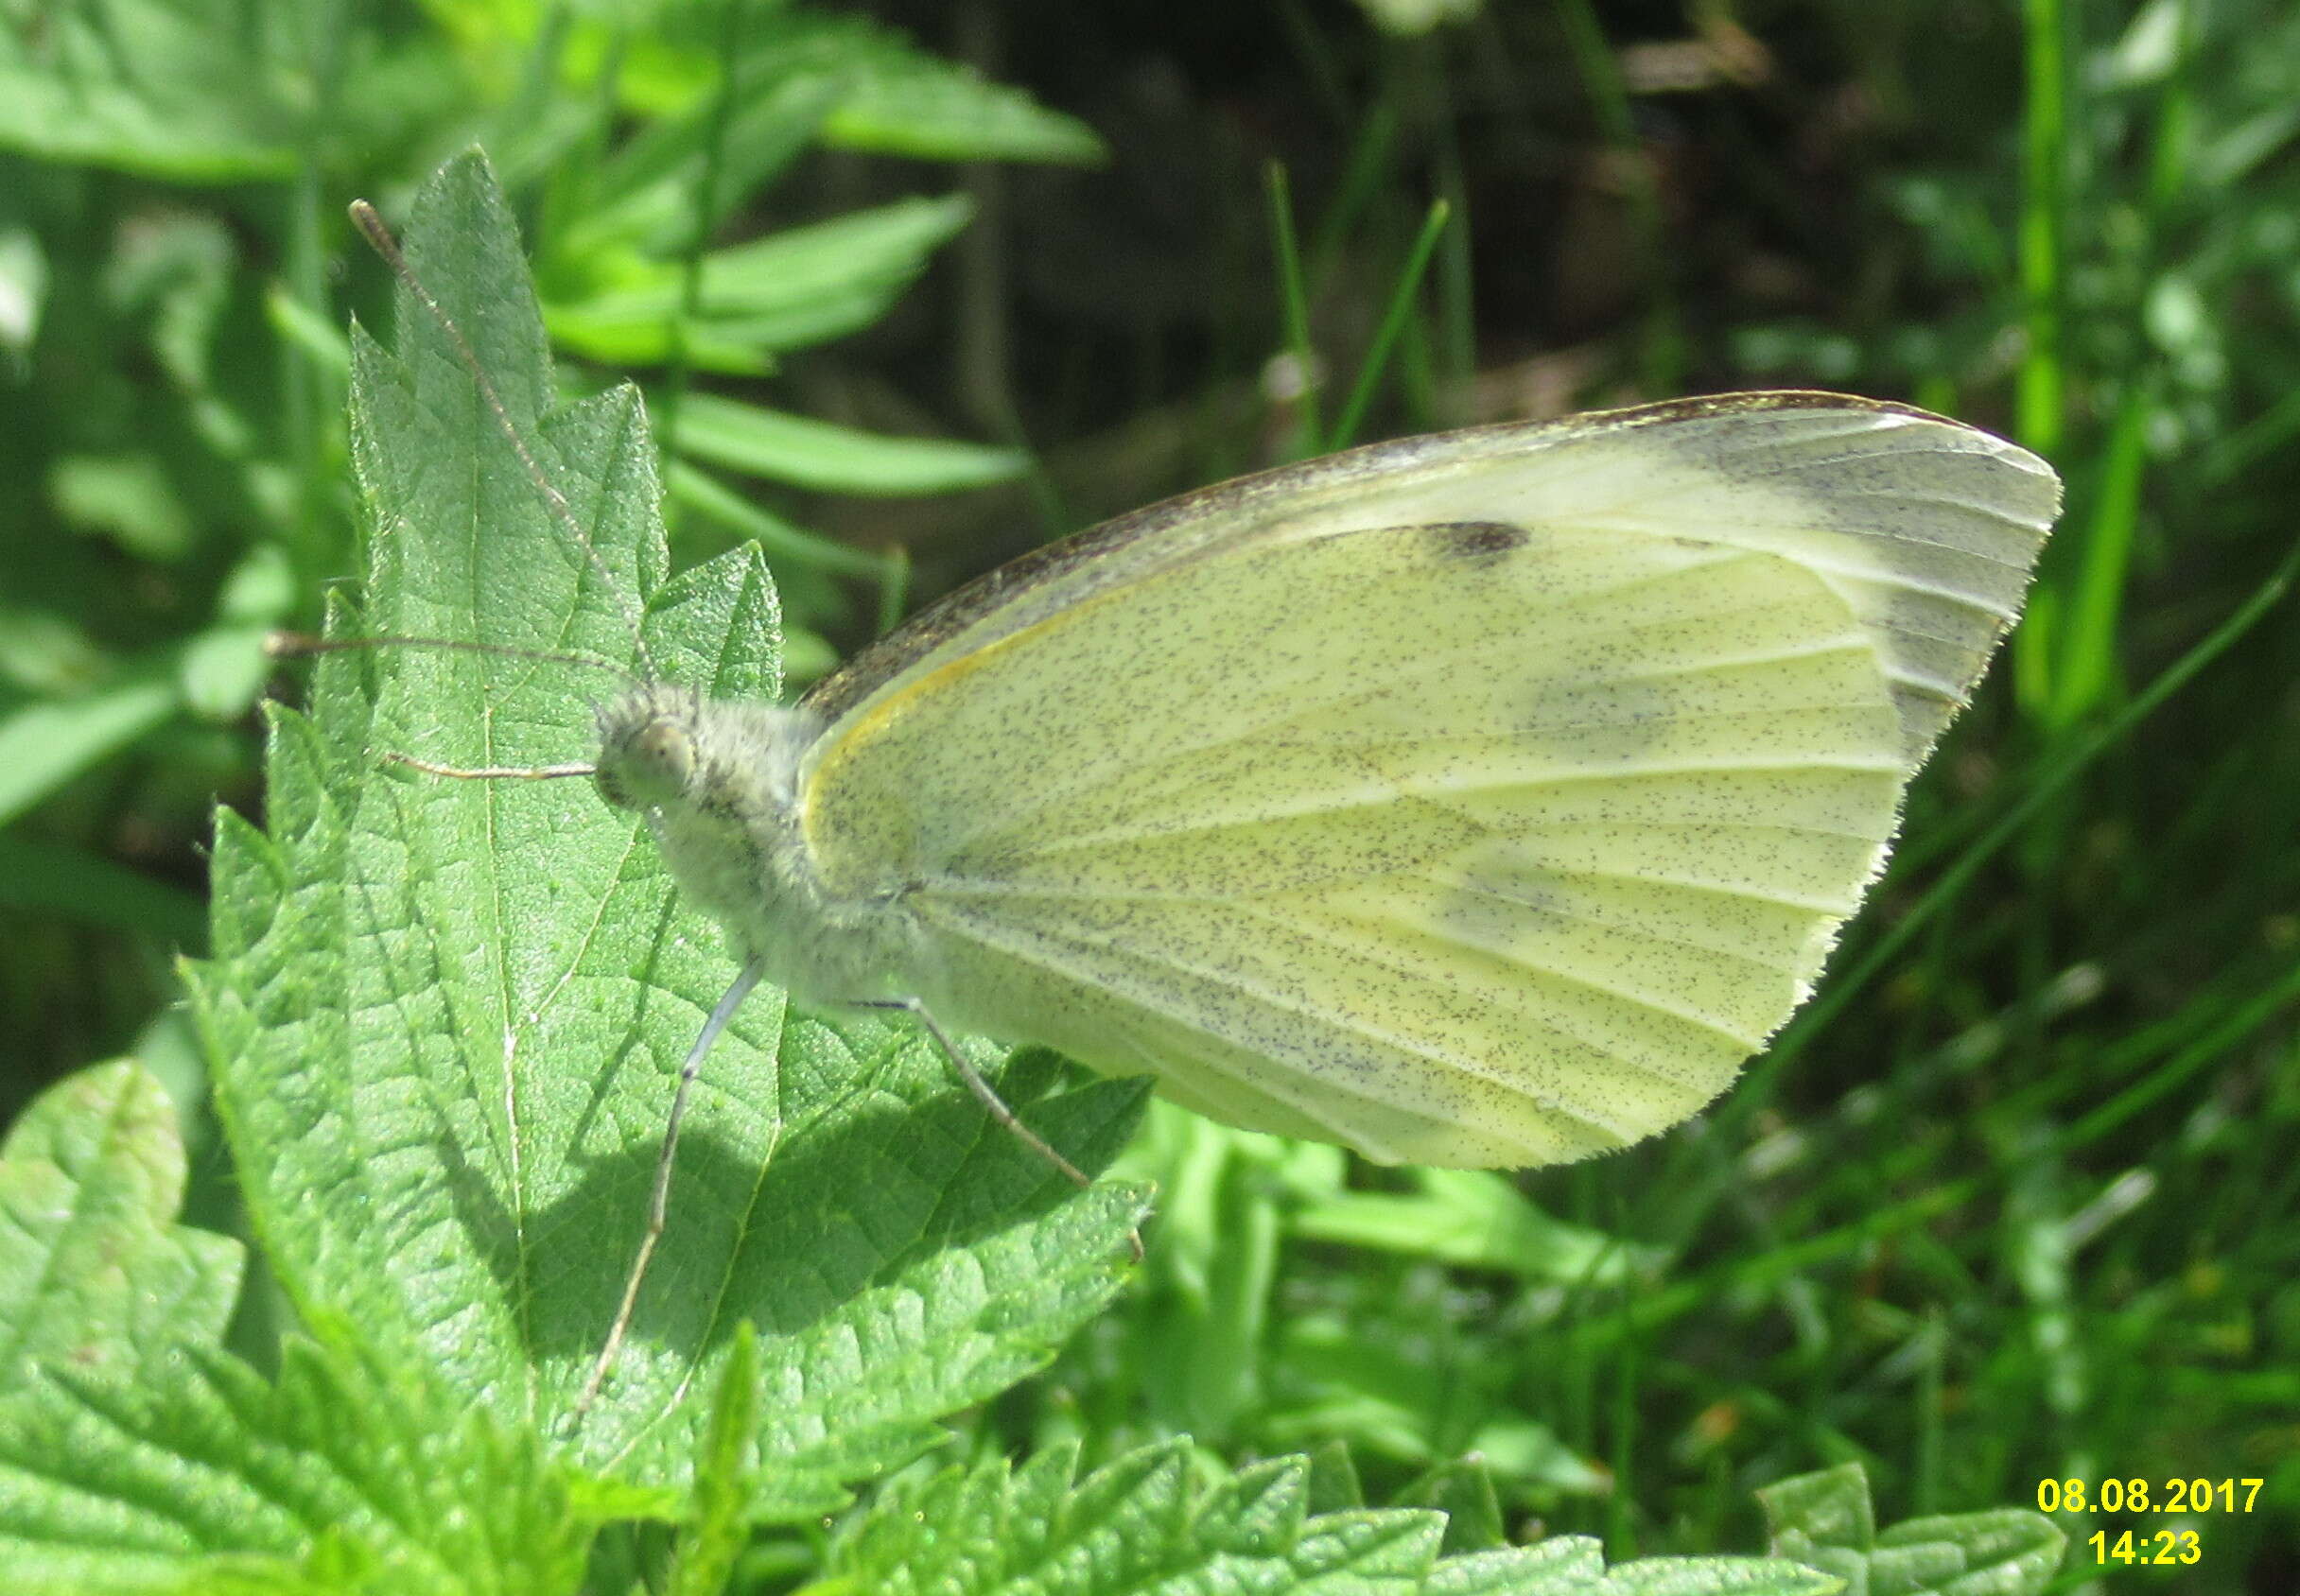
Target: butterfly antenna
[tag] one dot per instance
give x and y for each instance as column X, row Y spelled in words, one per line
column 365, row 218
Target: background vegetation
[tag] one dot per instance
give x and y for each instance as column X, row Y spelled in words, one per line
column 2017, row 1199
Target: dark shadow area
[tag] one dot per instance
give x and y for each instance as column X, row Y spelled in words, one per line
column 850, row 1201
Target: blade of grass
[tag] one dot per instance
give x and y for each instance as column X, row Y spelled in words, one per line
column 2088, row 642
column 2044, row 204
column 2211, row 1047
column 1457, row 282
column 2039, row 397
column 1293, row 305
column 1393, row 321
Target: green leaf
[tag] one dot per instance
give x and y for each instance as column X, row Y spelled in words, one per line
column 1825, row 1519
column 649, row 194
column 832, row 458
column 136, row 1456
column 1713, row 1576
column 167, row 88
column 125, row 497
column 718, row 1526
column 46, row 743
column 1149, row 1521
column 885, row 93
column 1334, row 1479
column 342, row 1477
column 95, row 1276
column 800, row 287
column 693, row 488
column 902, row 101
column 1463, row 1491
column 446, row 1015
column 1477, row 1220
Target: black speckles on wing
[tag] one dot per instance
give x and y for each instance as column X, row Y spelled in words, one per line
column 1501, row 859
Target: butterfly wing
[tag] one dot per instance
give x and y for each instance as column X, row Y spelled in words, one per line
column 1491, row 838
column 1927, row 527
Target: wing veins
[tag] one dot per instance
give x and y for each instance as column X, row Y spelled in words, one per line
column 1329, row 1020
column 1816, row 562
column 1616, row 928
column 1587, row 983
column 1122, row 836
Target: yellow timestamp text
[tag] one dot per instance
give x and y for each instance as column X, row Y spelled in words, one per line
column 2199, row 1495
column 2145, row 1548
column 2163, row 1547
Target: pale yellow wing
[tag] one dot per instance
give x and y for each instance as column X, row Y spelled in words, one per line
column 1479, row 842
column 1930, row 529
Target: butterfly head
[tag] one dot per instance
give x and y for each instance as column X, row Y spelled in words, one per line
column 650, row 742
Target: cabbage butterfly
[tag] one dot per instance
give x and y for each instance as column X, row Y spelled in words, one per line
column 1483, row 799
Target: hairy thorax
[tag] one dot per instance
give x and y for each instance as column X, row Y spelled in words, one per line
column 719, row 784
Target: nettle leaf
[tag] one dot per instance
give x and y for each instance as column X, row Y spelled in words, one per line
column 1825, row 1520
column 95, row 1276
column 136, row 1456
column 1151, row 1521
column 447, row 1015
column 343, row 1476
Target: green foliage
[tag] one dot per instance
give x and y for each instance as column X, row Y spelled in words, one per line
column 1148, row 1521
column 1825, row 1521
column 95, row 1276
column 394, row 1011
column 176, row 380
column 339, row 1475
column 165, row 87
column 800, row 287
column 140, row 1457
column 443, row 1061
column 2017, row 1200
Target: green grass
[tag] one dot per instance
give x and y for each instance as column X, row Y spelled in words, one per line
column 2017, row 1197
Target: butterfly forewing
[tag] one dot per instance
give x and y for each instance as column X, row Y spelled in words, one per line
column 1929, row 529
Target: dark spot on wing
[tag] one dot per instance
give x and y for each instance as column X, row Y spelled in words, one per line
column 1476, row 542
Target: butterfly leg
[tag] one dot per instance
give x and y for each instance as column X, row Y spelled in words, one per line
column 987, row 1094
column 983, row 1092
column 658, row 1203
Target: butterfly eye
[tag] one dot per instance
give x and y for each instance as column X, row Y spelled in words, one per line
column 665, row 753
column 611, row 790
column 646, row 767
